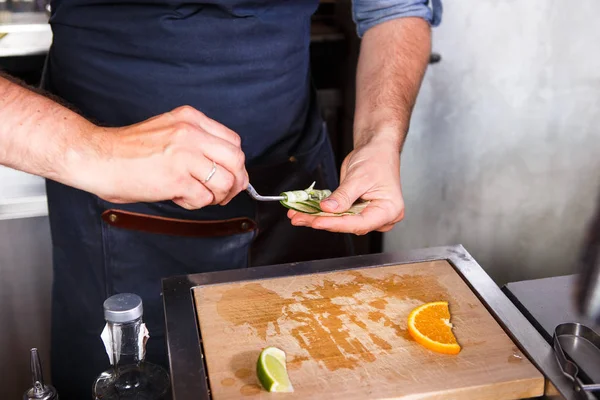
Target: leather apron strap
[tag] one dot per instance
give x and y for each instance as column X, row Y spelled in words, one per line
column 177, row 227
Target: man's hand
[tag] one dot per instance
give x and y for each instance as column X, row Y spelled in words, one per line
column 167, row 157
column 392, row 61
column 371, row 172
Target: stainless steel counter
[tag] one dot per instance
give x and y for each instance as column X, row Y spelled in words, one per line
column 549, row 302
column 189, row 379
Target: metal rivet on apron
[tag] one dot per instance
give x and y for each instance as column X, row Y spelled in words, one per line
column 112, row 218
column 293, row 159
column 244, row 226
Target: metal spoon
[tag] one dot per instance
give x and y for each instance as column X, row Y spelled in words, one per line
column 254, row 194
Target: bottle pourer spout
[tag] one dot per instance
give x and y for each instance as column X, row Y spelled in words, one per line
column 38, row 389
column 36, row 373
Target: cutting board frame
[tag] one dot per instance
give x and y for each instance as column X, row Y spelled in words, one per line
column 184, row 342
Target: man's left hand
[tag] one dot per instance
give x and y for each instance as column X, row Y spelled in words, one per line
column 372, row 173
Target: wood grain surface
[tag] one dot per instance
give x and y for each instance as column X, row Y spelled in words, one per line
column 345, row 337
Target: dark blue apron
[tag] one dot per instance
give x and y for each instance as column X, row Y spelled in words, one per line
column 244, row 63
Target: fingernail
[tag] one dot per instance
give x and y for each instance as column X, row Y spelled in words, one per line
column 299, row 222
column 331, row 204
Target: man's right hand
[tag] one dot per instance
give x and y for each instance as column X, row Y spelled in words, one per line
column 167, row 157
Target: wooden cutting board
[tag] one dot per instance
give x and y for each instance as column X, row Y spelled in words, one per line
column 345, row 337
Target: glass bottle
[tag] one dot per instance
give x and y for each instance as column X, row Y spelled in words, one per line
column 124, row 337
column 39, row 390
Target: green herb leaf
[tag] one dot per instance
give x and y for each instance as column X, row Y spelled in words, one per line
column 308, row 201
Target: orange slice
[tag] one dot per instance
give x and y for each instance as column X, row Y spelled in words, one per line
column 430, row 326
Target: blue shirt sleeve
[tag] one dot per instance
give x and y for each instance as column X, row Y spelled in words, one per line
column 368, row 13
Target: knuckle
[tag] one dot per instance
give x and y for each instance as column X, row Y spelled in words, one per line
column 228, row 181
column 240, row 158
column 236, row 139
column 182, row 129
column 186, row 111
column 206, row 197
column 198, row 196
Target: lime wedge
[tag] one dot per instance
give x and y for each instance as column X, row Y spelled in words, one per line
column 272, row 372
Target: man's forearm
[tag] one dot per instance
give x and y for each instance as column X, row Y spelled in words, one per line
column 38, row 135
column 392, row 62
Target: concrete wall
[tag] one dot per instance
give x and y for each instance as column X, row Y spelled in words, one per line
column 503, row 155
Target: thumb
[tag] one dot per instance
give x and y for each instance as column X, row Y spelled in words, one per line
column 343, row 197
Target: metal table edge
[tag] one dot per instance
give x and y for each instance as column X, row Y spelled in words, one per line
column 526, row 313
column 184, row 343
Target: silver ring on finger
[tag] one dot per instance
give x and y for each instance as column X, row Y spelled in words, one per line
column 212, row 172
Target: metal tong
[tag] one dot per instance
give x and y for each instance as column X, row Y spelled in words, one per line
column 568, row 367
column 254, row 194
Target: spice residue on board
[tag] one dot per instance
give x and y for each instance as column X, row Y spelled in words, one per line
column 326, row 329
column 264, row 307
column 321, row 331
column 250, row 390
column 228, row 382
column 409, row 287
column 378, row 304
column 380, row 342
column 243, row 373
column 378, row 316
column 296, row 362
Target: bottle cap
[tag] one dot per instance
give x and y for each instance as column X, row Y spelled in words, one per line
column 122, row 308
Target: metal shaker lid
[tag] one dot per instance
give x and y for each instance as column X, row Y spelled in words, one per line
column 123, row 307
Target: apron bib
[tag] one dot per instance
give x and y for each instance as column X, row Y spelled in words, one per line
column 242, row 63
